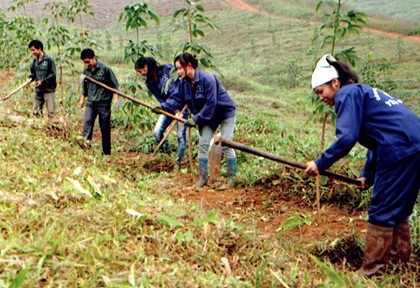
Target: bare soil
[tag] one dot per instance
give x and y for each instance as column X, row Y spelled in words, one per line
column 335, row 232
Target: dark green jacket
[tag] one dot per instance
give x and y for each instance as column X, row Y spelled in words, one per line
column 44, row 70
column 98, row 95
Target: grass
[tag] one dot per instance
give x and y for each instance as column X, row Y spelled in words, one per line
column 76, row 219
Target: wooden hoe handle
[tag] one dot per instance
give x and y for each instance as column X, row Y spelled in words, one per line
column 180, row 119
column 241, row 147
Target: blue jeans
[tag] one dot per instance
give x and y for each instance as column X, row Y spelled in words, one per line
column 227, row 128
column 161, row 125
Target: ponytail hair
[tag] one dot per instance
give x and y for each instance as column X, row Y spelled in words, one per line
column 345, row 74
column 152, row 67
column 186, row 58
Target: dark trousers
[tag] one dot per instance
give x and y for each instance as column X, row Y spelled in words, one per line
column 395, row 192
column 104, row 113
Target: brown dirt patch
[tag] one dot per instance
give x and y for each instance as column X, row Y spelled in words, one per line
column 270, row 206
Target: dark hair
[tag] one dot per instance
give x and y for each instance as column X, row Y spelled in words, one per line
column 152, row 66
column 345, row 74
column 186, row 58
column 87, row 53
column 36, row 44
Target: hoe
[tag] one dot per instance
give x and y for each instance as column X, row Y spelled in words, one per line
column 175, row 117
column 82, row 77
column 16, row 90
column 215, row 158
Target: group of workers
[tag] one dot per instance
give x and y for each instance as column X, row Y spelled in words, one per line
column 378, row 121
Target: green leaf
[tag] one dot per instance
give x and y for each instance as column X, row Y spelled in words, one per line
column 154, row 16
column 199, row 8
column 94, row 186
column 211, row 218
column 295, row 221
column 200, row 32
column 177, row 12
column 19, row 278
column 320, row 3
column 332, row 274
column 171, row 222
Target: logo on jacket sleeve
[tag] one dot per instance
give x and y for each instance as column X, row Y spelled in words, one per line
column 200, row 89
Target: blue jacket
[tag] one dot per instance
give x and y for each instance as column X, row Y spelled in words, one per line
column 208, row 101
column 376, row 120
column 157, row 87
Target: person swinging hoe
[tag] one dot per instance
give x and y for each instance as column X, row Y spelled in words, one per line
column 391, row 133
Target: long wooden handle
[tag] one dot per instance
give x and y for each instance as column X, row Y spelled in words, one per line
column 16, row 90
column 180, row 119
column 241, row 147
column 168, row 131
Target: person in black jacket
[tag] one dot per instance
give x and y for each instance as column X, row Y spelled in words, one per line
column 43, row 72
column 98, row 98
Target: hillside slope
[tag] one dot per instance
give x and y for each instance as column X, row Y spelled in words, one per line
column 408, row 10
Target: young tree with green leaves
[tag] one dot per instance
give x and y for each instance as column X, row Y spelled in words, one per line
column 136, row 17
column 337, row 25
column 15, row 35
column 15, row 5
column 60, row 36
column 193, row 19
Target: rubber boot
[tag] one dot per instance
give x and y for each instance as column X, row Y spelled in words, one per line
column 377, row 247
column 204, row 177
column 231, row 165
column 401, row 243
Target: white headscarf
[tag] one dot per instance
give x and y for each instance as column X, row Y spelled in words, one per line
column 323, row 72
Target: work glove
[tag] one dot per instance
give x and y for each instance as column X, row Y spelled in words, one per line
column 190, row 123
column 156, row 109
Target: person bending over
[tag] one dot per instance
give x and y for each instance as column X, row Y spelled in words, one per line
column 211, row 106
column 156, row 78
column 391, row 133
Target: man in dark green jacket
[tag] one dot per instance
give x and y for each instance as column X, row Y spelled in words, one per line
column 44, row 74
column 99, row 99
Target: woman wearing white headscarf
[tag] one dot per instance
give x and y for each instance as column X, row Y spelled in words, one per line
column 391, row 133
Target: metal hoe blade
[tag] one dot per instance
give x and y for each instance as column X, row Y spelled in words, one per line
column 215, row 157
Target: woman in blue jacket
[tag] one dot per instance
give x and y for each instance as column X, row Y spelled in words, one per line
column 156, row 77
column 391, row 133
column 211, row 106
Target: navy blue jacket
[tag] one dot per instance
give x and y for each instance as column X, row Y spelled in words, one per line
column 208, row 101
column 376, row 120
column 157, row 87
